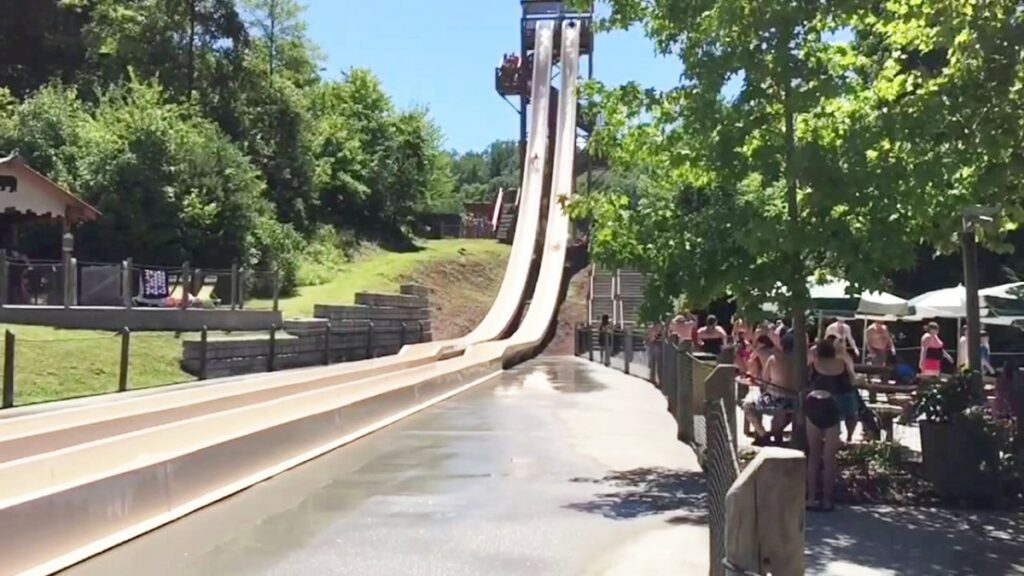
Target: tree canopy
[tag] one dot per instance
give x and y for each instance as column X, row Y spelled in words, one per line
column 807, row 139
column 204, row 131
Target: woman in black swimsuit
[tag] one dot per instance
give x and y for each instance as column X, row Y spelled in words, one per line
column 831, row 381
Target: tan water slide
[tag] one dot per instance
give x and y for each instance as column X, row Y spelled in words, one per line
column 76, row 481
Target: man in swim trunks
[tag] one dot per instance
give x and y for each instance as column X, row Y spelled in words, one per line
column 841, row 330
column 879, row 344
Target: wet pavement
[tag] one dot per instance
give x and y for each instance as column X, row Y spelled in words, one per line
column 559, row 466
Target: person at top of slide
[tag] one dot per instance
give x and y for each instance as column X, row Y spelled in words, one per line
column 841, row 330
column 879, row 344
column 711, row 337
column 683, row 326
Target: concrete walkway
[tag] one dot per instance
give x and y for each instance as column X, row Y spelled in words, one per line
column 887, row 541
column 559, row 466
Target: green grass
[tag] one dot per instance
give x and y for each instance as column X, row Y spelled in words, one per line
column 54, row 364
column 379, row 271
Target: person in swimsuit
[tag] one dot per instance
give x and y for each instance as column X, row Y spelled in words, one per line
column 841, row 330
column 827, row 404
column 879, row 344
column 711, row 337
column 986, row 355
column 654, row 344
column 777, row 397
column 932, row 352
column 739, row 327
column 683, row 326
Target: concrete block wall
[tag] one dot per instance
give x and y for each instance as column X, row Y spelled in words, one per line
column 378, row 325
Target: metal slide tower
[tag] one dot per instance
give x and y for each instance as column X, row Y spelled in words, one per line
column 512, row 77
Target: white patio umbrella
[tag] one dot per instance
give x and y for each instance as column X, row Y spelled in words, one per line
column 943, row 303
column 881, row 304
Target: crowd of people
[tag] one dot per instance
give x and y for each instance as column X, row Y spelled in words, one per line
column 763, row 356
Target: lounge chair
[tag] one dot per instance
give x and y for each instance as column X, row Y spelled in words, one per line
column 204, row 298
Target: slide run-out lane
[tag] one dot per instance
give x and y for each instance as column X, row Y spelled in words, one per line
column 555, row 467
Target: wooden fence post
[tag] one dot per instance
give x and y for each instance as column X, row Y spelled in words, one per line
column 627, row 352
column 369, row 340
column 5, row 275
column 126, row 283
column 273, row 348
column 590, row 342
column 327, row 343
column 234, row 285
column 204, row 341
column 423, row 331
column 401, row 335
column 277, row 288
column 242, row 273
column 9, row 351
column 185, row 282
column 122, row 380
column 764, row 515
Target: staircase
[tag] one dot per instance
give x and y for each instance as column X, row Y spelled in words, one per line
column 629, row 296
column 602, row 294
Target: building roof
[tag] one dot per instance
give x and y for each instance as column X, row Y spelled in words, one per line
column 24, row 190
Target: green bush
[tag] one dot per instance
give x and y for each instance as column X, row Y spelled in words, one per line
column 323, row 256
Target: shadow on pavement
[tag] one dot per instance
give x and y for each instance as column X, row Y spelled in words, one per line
column 646, row 492
column 904, row 541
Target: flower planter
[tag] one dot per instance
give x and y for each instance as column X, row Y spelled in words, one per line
column 954, row 461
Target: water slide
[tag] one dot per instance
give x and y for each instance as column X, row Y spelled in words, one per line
column 52, row 430
column 123, row 479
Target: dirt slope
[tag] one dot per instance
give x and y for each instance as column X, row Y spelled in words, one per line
column 461, row 290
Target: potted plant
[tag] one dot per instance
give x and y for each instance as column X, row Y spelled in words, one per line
column 959, row 456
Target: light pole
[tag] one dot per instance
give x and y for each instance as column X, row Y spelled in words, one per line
column 973, row 217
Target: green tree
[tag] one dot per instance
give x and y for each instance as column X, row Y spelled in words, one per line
column 170, row 185
column 42, row 41
column 283, row 44
column 806, row 139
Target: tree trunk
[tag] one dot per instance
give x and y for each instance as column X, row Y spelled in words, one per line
column 797, row 276
column 191, row 48
column 272, row 36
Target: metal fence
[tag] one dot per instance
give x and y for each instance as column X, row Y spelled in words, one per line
column 721, row 468
column 127, row 284
column 702, row 397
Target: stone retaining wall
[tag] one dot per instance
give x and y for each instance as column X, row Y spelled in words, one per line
column 378, row 325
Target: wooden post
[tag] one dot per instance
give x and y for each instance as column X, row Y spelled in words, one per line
column 684, row 394
column 273, row 348
column 5, row 278
column 241, row 288
column 67, row 248
column 122, row 380
column 126, row 283
column 764, row 515
column 401, row 335
column 590, row 342
column 627, row 344
column 423, row 331
column 204, row 348
column 234, row 285
column 721, row 385
column 327, row 343
column 277, row 288
column 369, row 340
column 9, row 345
column 74, row 282
column 185, row 282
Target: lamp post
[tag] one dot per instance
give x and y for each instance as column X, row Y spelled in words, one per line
column 973, row 217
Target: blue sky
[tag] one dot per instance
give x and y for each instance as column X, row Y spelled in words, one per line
column 441, row 54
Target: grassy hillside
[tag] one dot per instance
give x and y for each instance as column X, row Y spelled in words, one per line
column 53, row 364
column 384, row 271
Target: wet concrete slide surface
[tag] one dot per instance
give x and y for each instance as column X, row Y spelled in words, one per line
column 555, row 467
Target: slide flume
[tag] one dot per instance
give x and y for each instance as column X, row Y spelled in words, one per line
column 52, row 430
column 59, row 507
